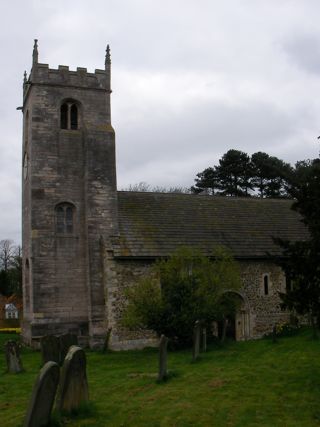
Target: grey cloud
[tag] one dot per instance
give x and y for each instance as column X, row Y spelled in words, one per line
column 209, row 129
column 304, row 51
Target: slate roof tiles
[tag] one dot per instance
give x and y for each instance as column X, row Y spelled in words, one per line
column 153, row 225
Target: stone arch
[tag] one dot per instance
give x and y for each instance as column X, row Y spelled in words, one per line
column 238, row 324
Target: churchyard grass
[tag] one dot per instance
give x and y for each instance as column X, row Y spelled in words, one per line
column 254, row 383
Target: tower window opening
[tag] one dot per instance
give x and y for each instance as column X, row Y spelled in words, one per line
column 64, row 116
column 69, row 116
column 266, row 284
column 288, row 284
column 65, row 218
column 69, row 220
column 74, row 117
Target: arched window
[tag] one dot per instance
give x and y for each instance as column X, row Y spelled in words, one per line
column 266, row 284
column 65, row 218
column 69, row 116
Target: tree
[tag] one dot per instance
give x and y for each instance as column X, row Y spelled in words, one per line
column 186, row 287
column 10, row 268
column 269, row 175
column 239, row 175
column 143, row 187
column 207, row 180
column 7, row 254
column 301, row 260
column 234, row 172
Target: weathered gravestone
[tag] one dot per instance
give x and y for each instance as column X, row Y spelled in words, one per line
column 106, row 341
column 13, row 359
column 43, row 394
column 163, row 358
column 50, row 349
column 204, row 340
column 65, row 342
column 274, row 333
column 73, row 388
column 196, row 341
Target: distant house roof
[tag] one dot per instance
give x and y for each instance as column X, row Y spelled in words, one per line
column 10, row 307
column 153, row 225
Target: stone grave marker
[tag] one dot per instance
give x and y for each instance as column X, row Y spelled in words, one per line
column 106, row 341
column 204, row 340
column 66, row 341
column 73, row 388
column 13, row 359
column 274, row 333
column 196, row 341
column 43, row 395
column 50, row 348
column 163, row 358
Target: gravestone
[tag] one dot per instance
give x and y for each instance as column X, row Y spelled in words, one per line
column 65, row 342
column 43, row 395
column 106, row 341
column 163, row 358
column 196, row 341
column 50, row 348
column 73, row 389
column 12, row 352
column 204, row 339
column 274, row 333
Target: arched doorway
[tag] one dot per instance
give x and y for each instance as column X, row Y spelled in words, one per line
column 236, row 323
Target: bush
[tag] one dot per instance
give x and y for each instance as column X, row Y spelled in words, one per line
column 185, row 288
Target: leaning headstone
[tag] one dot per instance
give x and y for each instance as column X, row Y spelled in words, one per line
column 196, row 341
column 43, row 395
column 106, row 341
column 13, row 359
column 65, row 342
column 50, row 349
column 73, row 388
column 204, row 340
column 163, row 373
column 274, row 333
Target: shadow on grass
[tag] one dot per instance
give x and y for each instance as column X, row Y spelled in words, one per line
column 86, row 410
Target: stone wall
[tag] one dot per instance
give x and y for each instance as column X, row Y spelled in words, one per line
column 263, row 310
column 121, row 274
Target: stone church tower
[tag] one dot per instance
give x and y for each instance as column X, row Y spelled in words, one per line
column 69, row 199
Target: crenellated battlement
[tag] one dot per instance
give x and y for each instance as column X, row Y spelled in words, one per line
column 42, row 74
column 81, row 78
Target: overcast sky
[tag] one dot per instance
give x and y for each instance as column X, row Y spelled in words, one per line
column 191, row 79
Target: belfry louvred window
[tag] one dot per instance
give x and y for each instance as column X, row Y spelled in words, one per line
column 69, row 116
column 266, row 284
column 65, row 218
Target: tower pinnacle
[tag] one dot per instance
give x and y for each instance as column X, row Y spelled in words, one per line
column 108, row 58
column 35, row 53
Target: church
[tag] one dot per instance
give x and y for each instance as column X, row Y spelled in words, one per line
column 84, row 242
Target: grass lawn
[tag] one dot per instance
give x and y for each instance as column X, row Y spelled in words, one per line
column 254, row 383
